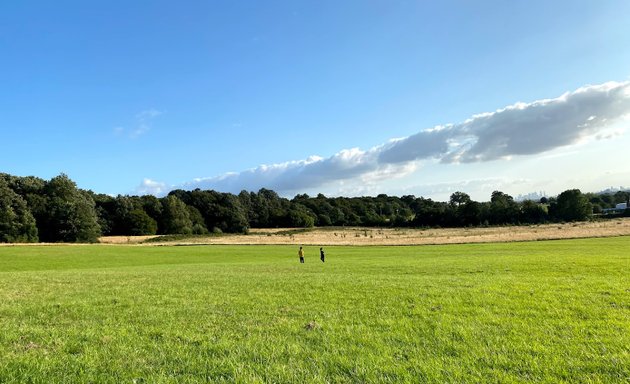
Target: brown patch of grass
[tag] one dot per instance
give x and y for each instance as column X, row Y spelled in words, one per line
column 124, row 239
column 311, row 326
column 408, row 236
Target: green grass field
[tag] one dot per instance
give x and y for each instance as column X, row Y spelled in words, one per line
column 556, row 311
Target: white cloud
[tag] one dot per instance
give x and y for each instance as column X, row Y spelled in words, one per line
column 142, row 124
column 519, row 129
column 587, row 113
column 151, row 187
column 526, row 129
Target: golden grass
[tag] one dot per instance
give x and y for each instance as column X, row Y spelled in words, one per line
column 124, row 239
column 405, row 236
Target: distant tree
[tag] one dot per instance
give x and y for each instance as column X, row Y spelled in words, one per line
column 70, row 213
column 503, row 209
column 17, row 224
column 459, row 198
column 300, row 216
column 271, row 209
column 222, row 211
column 608, row 200
column 532, row 212
column 175, row 217
column 104, row 205
column 198, row 223
column 469, row 213
column 622, row 197
column 246, row 200
column 572, row 205
column 123, row 206
column 429, row 213
column 152, row 206
column 139, row 223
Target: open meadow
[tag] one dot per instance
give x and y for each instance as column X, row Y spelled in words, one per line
column 398, row 236
column 545, row 311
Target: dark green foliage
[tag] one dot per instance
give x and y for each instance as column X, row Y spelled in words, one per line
column 199, row 226
column 459, row 198
column 140, row 223
column 104, row 205
column 152, row 206
column 572, row 205
column 533, row 213
column 175, row 218
column 62, row 212
column 70, row 214
column 622, row 197
column 216, row 210
column 300, row 217
column 503, row 209
column 17, row 224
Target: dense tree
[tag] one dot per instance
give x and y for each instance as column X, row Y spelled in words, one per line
column 17, row 224
column 139, row 223
column 503, row 209
column 57, row 210
column 104, row 205
column 459, row 198
column 220, row 211
column 123, row 206
column 70, row 213
column 198, row 222
column 175, row 217
column 469, row 213
column 429, row 213
column 622, row 197
column 572, row 205
column 152, row 206
column 300, row 216
column 533, row 213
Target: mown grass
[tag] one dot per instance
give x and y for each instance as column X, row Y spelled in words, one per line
column 551, row 312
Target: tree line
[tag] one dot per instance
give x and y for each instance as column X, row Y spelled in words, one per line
column 33, row 209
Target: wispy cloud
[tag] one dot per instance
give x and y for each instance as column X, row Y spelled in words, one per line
column 151, row 187
column 516, row 130
column 142, row 124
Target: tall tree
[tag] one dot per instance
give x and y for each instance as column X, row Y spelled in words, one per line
column 139, row 223
column 459, row 198
column 572, row 205
column 17, row 224
column 71, row 213
column 532, row 212
column 175, row 216
column 503, row 209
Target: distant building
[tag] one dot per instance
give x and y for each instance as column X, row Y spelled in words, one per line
column 619, row 208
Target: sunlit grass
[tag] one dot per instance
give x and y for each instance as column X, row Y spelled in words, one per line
column 543, row 312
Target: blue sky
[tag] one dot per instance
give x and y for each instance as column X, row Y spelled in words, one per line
column 306, row 96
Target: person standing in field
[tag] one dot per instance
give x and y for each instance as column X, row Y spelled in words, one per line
column 301, row 254
column 321, row 254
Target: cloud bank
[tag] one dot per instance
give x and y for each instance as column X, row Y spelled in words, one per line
column 516, row 130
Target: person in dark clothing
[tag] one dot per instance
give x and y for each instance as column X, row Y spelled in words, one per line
column 301, row 254
column 321, row 254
